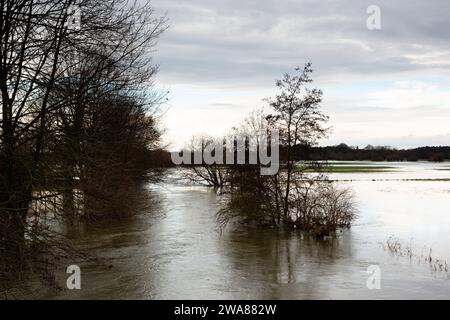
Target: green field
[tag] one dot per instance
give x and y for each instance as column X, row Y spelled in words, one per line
column 352, row 169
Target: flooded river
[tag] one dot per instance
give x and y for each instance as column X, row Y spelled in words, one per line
column 173, row 249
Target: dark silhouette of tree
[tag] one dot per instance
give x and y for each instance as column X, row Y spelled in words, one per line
column 75, row 100
column 372, row 153
column 299, row 119
column 297, row 196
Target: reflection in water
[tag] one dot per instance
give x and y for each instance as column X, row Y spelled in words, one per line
column 278, row 260
column 173, row 249
column 114, row 266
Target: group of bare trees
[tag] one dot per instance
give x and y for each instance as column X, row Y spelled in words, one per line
column 77, row 109
column 296, row 196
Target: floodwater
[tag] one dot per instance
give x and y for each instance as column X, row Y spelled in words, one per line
column 173, row 249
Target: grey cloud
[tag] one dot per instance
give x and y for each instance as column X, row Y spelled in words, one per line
column 234, row 44
column 249, row 41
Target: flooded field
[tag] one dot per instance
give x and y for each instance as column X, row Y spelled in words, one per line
column 174, row 250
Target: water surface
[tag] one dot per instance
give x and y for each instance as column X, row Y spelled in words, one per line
column 173, row 249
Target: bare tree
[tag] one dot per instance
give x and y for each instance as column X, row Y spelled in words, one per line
column 54, row 77
column 32, row 38
column 297, row 196
column 214, row 174
column 107, row 72
column 299, row 119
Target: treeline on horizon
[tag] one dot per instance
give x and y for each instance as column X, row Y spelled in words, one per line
column 343, row 152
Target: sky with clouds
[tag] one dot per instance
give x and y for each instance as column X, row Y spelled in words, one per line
column 219, row 59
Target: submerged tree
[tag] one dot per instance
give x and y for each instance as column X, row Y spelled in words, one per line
column 299, row 119
column 33, row 37
column 211, row 173
column 113, row 152
column 295, row 196
column 60, row 85
column 104, row 79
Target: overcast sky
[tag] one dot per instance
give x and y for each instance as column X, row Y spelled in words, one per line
column 219, row 59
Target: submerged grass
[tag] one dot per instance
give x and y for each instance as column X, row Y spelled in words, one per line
column 394, row 247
